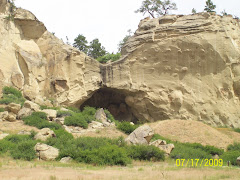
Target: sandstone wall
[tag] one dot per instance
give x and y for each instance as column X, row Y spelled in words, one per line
column 174, row 67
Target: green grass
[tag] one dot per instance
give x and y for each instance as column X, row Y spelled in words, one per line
column 11, row 95
column 2, row 109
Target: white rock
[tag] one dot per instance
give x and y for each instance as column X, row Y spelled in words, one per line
column 14, row 108
column 46, row 152
column 31, row 105
column 51, row 114
column 44, row 134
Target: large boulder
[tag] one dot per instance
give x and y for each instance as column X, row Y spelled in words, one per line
column 141, row 135
column 31, row 105
column 46, row 152
column 51, row 114
column 14, row 108
column 101, row 116
column 24, row 112
column 44, row 134
column 11, row 117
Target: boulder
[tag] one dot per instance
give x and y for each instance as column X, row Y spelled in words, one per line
column 2, row 136
column 4, row 115
column 158, row 143
column 141, row 135
column 238, row 161
column 24, row 112
column 11, row 117
column 14, row 108
column 51, row 114
column 100, row 115
column 166, row 148
column 31, row 105
column 44, row 134
column 95, row 125
column 46, row 152
column 66, row 160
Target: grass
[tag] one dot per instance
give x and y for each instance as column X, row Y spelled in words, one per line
column 11, row 95
column 2, row 109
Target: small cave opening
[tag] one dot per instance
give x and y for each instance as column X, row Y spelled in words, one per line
column 114, row 101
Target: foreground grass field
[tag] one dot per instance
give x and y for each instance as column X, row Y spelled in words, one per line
column 38, row 170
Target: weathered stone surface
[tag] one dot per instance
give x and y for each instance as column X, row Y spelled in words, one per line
column 141, row 135
column 11, row 117
column 95, row 125
column 24, row 112
column 101, row 116
column 3, row 135
column 66, row 160
column 4, row 115
column 167, row 148
column 44, row 134
column 158, row 143
column 59, row 120
column 14, row 108
column 51, row 113
column 46, row 152
column 31, row 105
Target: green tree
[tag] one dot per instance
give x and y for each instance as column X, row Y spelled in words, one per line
column 156, row 7
column 96, row 49
column 80, row 42
column 125, row 39
column 209, row 6
column 224, row 13
column 194, row 11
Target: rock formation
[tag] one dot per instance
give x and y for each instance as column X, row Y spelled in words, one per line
column 174, row 67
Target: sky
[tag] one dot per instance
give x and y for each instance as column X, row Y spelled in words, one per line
column 107, row 20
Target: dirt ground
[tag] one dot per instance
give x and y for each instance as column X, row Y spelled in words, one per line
column 21, row 170
column 194, row 131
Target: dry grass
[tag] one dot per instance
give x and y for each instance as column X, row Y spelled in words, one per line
column 15, row 127
column 194, row 131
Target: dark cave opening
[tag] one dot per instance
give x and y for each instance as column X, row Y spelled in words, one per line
column 114, row 101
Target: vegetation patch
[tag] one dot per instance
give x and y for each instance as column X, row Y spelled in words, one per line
column 109, row 57
column 11, row 95
column 126, row 127
column 2, row 109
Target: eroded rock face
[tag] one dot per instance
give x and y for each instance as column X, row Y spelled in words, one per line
column 174, row 67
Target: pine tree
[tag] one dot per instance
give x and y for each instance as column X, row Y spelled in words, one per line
column 209, row 6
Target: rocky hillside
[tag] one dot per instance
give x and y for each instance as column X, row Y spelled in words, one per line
column 174, row 67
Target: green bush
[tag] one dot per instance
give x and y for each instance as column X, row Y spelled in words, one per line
column 230, row 156
column 109, row 57
column 74, row 109
column 39, row 120
column 6, row 146
column 237, row 130
column 76, row 119
column 11, row 90
column 110, row 117
column 144, row 152
column 89, row 114
column 126, row 127
column 47, row 107
column 24, row 150
column 64, row 113
column 234, row 147
column 2, row 109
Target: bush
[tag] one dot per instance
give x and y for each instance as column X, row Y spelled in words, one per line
column 46, row 107
column 11, row 95
column 110, row 117
column 108, row 57
column 24, row 150
column 126, row 127
column 76, row 119
column 11, row 90
column 234, row 147
column 2, row 109
column 145, row 152
column 89, row 114
column 237, row 130
column 64, row 113
column 6, row 146
column 231, row 156
column 76, row 110
column 39, row 120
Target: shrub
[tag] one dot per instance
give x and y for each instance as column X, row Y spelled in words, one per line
column 2, row 109
column 144, row 152
column 11, row 90
column 64, row 113
column 39, row 120
column 110, row 117
column 76, row 110
column 234, row 147
column 237, row 130
column 108, row 57
column 89, row 113
column 76, row 119
column 126, row 127
column 6, row 146
column 24, row 150
column 231, row 156
column 46, row 107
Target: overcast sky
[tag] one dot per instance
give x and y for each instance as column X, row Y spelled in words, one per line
column 107, row 20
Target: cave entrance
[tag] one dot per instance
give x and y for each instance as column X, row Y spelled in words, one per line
column 114, row 101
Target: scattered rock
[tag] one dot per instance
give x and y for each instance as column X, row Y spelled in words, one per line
column 24, row 112
column 31, row 105
column 11, row 117
column 100, row 115
column 4, row 115
column 66, row 160
column 24, row 132
column 141, row 135
column 158, row 143
column 215, row 156
column 106, row 124
column 67, row 129
column 59, row 120
column 46, row 152
column 167, row 148
column 51, row 114
column 95, row 125
column 14, row 108
column 2, row 136
column 44, row 134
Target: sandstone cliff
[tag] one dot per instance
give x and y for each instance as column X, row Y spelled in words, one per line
column 174, row 67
